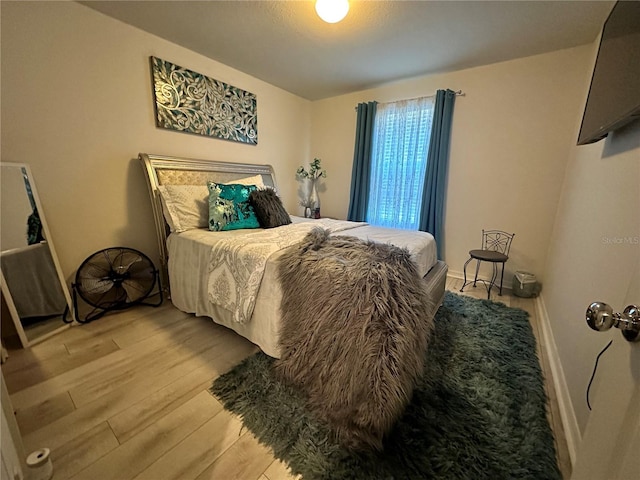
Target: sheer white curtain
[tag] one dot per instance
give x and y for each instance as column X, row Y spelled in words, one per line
column 398, row 162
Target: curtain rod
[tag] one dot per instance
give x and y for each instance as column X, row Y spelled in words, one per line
column 459, row 93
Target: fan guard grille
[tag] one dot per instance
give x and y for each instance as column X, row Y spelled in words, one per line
column 113, row 279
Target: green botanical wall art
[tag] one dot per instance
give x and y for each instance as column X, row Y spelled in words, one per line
column 187, row 101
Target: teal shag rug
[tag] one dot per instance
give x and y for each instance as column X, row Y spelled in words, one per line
column 478, row 412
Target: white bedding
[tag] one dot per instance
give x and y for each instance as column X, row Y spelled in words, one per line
column 237, row 263
column 189, row 256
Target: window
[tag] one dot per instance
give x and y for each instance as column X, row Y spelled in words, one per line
column 400, row 146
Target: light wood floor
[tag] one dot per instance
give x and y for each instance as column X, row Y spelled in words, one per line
column 126, row 397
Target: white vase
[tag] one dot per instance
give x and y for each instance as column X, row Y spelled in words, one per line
column 307, row 212
column 313, row 199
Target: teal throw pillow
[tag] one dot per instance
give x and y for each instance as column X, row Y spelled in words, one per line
column 229, row 207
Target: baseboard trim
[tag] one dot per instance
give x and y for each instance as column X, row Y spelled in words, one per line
column 567, row 413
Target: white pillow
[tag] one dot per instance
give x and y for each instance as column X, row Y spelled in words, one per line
column 186, row 207
column 255, row 180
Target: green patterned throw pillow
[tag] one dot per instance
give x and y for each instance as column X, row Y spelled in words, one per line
column 229, row 207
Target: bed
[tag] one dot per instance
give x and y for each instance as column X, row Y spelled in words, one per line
column 355, row 345
column 185, row 255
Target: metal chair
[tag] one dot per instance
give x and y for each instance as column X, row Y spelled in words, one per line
column 495, row 249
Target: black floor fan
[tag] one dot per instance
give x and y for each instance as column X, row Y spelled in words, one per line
column 115, row 279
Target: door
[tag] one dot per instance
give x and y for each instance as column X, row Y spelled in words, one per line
column 610, row 448
column 11, row 450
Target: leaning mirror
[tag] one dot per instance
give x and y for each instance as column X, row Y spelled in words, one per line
column 34, row 292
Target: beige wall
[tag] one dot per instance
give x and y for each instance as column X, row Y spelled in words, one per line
column 77, row 106
column 594, row 253
column 511, row 138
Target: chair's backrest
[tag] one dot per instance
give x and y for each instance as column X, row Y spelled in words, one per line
column 497, row 241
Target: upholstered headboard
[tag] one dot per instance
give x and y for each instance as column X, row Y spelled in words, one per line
column 164, row 170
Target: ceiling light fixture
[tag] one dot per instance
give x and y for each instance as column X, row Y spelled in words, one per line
column 332, row 11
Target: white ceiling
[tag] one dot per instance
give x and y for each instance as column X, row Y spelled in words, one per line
column 285, row 44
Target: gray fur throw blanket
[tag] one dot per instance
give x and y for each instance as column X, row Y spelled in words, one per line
column 354, row 332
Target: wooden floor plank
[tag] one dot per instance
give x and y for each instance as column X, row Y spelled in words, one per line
column 216, row 341
column 146, row 327
column 84, row 450
column 144, row 413
column 245, row 460
column 198, row 451
column 105, row 326
column 54, row 366
column 132, row 457
column 130, row 393
column 279, row 470
column 21, row 359
column 51, row 409
column 185, row 344
column 87, row 373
